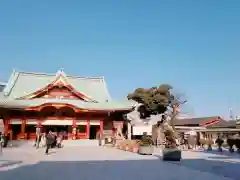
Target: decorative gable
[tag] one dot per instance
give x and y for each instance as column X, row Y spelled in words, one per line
column 59, row 88
column 59, row 92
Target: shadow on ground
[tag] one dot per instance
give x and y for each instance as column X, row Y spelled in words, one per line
column 214, row 166
column 225, row 153
column 6, row 163
column 121, row 169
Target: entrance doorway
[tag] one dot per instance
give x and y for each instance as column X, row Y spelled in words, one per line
column 93, row 131
column 16, row 130
column 57, row 128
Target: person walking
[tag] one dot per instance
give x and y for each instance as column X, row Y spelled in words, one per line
column 1, row 143
column 49, row 141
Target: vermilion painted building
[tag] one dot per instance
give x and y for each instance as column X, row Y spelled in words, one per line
column 81, row 106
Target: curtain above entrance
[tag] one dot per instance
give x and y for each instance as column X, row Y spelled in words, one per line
column 57, row 122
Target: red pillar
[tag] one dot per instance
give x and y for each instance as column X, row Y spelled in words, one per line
column 88, row 129
column 23, row 127
column 6, row 126
column 74, row 130
column 39, row 122
column 101, row 128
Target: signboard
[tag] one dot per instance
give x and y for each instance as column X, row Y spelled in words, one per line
column 191, row 133
column 139, row 130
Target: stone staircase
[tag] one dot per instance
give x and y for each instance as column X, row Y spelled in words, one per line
column 82, row 142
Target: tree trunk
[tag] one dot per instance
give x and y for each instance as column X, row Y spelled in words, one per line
column 174, row 114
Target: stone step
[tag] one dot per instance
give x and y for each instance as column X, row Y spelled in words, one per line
column 80, row 142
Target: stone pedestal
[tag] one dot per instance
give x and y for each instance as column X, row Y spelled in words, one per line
column 145, row 150
column 172, row 154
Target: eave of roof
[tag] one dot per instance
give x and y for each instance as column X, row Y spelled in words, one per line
column 195, row 121
column 224, row 124
column 220, row 130
column 23, row 104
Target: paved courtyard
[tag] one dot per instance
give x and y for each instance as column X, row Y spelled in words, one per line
column 90, row 163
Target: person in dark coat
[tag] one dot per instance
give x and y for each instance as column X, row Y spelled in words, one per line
column 49, row 141
column 38, row 140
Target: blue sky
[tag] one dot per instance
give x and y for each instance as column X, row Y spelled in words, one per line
column 192, row 45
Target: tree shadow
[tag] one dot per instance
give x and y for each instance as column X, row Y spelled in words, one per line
column 224, row 153
column 124, row 169
column 215, row 165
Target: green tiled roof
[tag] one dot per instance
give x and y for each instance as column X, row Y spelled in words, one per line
column 23, row 83
column 112, row 105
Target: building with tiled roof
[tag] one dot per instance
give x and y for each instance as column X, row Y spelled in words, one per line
column 82, row 106
column 198, row 121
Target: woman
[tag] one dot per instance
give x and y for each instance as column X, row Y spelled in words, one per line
column 43, row 140
column 59, row 140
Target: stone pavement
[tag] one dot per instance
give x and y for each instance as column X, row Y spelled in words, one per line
column 90, row 163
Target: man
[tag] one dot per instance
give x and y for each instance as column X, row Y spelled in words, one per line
column 49, row 141
column 192, row 140
column 1, row 143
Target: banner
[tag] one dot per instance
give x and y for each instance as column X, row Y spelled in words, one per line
column 139, row 130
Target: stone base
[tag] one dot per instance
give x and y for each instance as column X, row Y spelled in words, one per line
column 209, row 148
column 231, row 150
column 145, row 150
column 171, row 154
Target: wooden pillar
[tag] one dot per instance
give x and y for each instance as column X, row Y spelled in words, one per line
column 101, row 128
column 6, row 121
column 23, row 126
column 39, row 121
column 6, row 125
column 74, row 129
column 88, row 129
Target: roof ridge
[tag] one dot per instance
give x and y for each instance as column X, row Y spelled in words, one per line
column 106, row 89
column 204, row 117
column 11, row 82
column 3, row 83
column 54, row 74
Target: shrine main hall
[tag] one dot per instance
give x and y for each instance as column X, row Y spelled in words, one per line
column 80, row 106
